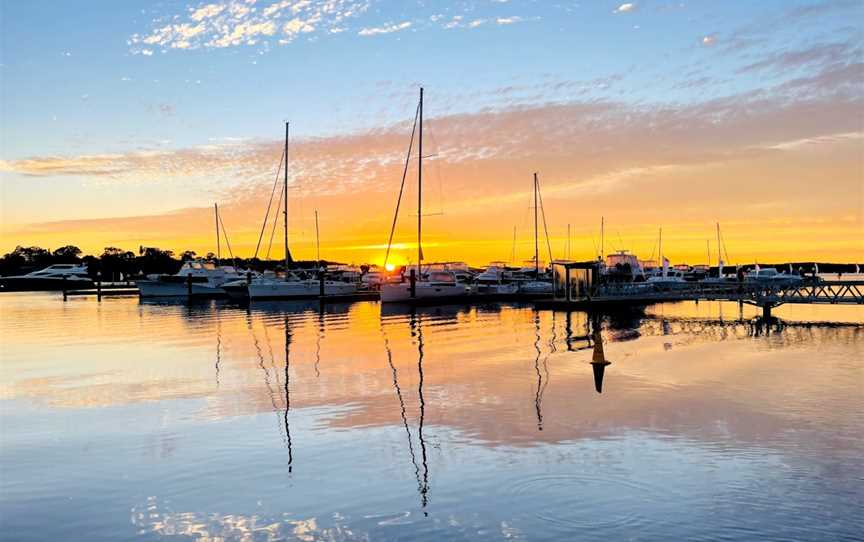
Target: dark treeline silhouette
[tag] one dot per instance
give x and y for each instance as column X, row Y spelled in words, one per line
column 115, row 261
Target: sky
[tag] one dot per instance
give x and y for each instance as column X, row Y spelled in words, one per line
column 124, row 122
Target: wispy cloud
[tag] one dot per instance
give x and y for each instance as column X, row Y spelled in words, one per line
column 625, row 8
column 231, row 23
column 821, row 55
column 385, row 29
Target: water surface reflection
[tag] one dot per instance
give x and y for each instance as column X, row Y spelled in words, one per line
column 459, row 422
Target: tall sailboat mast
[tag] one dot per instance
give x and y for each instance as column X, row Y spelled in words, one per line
column 602, row 237
column 317, row 239
column 420, row 191
column 513, row 248
column 285, row 205
column 568, row 241
column 218, row 239
column 718, row 244
column 660, row 249
column 536, row 232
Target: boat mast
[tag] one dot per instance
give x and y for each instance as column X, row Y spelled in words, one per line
column 568, row 241
column 602, row 237
column 317, row 239
column 513, row 248
column 660, row 248
column 420, row 190
column 285, row 205
column 718, row 244
column 218, row 242
column 536, row 232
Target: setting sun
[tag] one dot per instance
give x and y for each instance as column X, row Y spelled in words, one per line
column 389, row 267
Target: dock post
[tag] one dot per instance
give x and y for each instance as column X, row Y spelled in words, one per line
column 64, row 287
column 189, row 284
column 321, row 283
column 567, row 283
column 99, row 286
column 248, row 278
column 766, row 312
column 412, row 279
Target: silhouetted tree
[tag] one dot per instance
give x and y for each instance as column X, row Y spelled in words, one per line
column 67, row 254
column 188, row 255
column 154, row 260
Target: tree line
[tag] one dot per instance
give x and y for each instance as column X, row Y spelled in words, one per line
column 114, row 262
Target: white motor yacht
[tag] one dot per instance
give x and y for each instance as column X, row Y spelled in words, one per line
column 53, row 277
column 437, row 285
column 769, row 275
column 196, row 277
column 496, row 279
column 668, row 278
column 293, row 287
column 535, row 287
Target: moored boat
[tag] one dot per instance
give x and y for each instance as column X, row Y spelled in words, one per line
column 196, row 278
column 54, row 277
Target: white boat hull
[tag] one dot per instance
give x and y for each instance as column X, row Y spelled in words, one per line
column 156, row 288
column 535, row 287
column 298, row 289
column 401, row 291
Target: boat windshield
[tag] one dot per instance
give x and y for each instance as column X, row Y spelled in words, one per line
column 441, row 276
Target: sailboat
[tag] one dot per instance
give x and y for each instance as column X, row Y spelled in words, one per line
column 291, row 286
column 434, row 284
column 668, row 278
column 537, row 286
column 196, row 277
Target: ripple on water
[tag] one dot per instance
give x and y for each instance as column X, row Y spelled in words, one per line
column 614, row 503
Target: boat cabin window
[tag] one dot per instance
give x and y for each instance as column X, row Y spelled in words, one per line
column 441, row 276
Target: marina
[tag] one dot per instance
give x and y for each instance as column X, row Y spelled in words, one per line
column 499, row 270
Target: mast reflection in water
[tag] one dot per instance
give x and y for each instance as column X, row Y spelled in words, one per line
column 717, row 430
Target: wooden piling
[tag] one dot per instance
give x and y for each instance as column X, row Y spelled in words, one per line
column 412, row 279
column 321, row 283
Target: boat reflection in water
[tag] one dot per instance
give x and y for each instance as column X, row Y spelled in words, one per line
column 451, row 422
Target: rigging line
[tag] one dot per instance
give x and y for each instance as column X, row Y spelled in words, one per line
column 545, row 229
column 723, row 240
column 225, row 233
column 273, row 231
column 430, row 127
column 267, row 214
column 402, row 186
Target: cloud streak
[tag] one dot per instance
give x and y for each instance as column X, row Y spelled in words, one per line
column 234, row 23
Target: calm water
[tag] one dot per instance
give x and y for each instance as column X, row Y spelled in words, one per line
column 125, row 420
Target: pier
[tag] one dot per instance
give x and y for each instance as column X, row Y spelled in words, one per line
column 766, row 296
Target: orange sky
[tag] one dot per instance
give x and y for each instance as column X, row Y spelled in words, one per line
column 783, row 179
